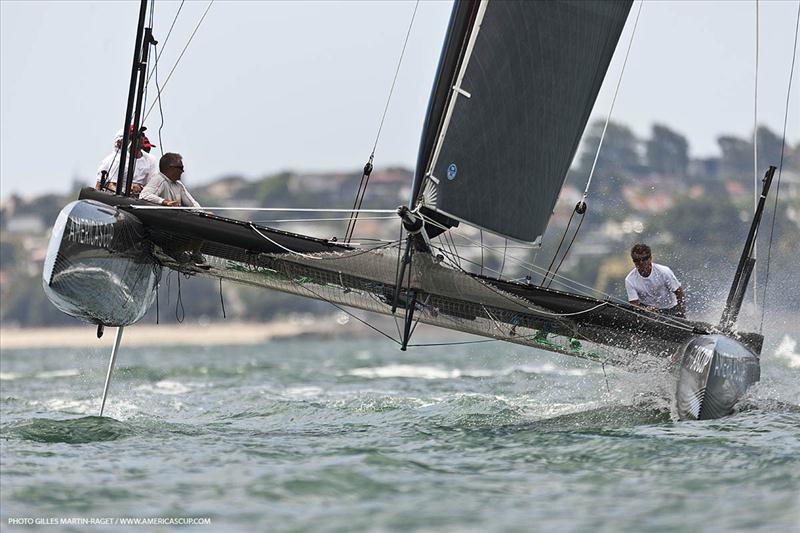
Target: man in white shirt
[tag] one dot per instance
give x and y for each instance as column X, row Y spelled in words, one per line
column 145, row 167
column 653, row 286
column 166, row 188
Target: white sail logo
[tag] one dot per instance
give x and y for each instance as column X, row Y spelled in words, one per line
column 452, row 170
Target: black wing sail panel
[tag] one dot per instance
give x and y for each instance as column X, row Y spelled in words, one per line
column 530, row 80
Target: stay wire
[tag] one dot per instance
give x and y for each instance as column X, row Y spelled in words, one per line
column 342, row 309
column 755, row 158
column 155, row 71
column 169, row 76
column 613, row 100
column 558, row 249
column 394, row 81
column 482, row 260
column 362, row 187
column 158, row 289
column 503, row 264
column 569, row 246
column 180, row 311
column 362, row 190
column 596, row 156
column 169, row 32
column 611, row 300
column 221, row 300
column 780, row 169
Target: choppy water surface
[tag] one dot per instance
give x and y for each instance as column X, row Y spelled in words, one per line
column 355, row 435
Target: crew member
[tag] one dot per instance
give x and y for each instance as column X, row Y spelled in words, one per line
column 145, row 166
column 166, row 188
column 653, row 286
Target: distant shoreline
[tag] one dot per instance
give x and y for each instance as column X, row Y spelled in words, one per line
column 226, row 333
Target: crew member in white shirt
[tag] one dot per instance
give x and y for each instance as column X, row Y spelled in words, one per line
column 653, row 286
column 166, row 188
column 145, row 167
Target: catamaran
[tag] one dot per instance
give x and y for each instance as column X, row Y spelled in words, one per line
column 514, row 89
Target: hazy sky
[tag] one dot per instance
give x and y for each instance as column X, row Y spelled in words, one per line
column 268, row 86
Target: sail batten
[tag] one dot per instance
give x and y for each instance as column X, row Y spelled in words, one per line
column 532, row 72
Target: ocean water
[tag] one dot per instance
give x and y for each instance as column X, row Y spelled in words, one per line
column 354, row 435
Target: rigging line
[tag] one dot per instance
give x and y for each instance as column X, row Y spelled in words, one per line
column 579, row 287
column 334, row 255
column 424, row 306
column 155, row 70
column 612, row 301
column 180, row 311
column 503, row 264
column 755, row 159
column 320, row 219
column 210, row 3
column 278, row 209
column 780, row 168
column 505, row 247
column 497, row 247
column 369, row 246
column 282, row 247
column 536, row 268
column 166, row 39
column 454, row 247
column 569, row 246
column 528, row 337
column 362, row 189
column 532, row 309
column 221, row 300
column 445, row 244
column 454, row 343
column 160, row 110
column 494, row 321
column 149, row 65
column 596, row 157
column 342, row 309
column 482, row 261
column 558, row 249
column 397, row 71
column 662, row 321
column 613, row 101
column 397, row 275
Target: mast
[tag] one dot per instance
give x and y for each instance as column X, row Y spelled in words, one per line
column 142, row 72
column 137, row 72
column 458, row 31
column 746, row 262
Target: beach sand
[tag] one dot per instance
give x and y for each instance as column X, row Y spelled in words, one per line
column 225, row 333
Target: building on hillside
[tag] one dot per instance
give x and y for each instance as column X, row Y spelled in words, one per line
column 23, row 224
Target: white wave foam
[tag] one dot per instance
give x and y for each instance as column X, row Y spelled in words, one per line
column 303, row 392
column 405, row 371
column 69, row 372
column 118, row 409
column 787, row 349
column 549, row 368
column 50, row 374
column 165, row 387
column 429, row 372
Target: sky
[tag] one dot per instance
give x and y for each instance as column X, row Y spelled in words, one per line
column 271, row 86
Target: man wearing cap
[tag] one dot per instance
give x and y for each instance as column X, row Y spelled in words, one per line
column 145, row 167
